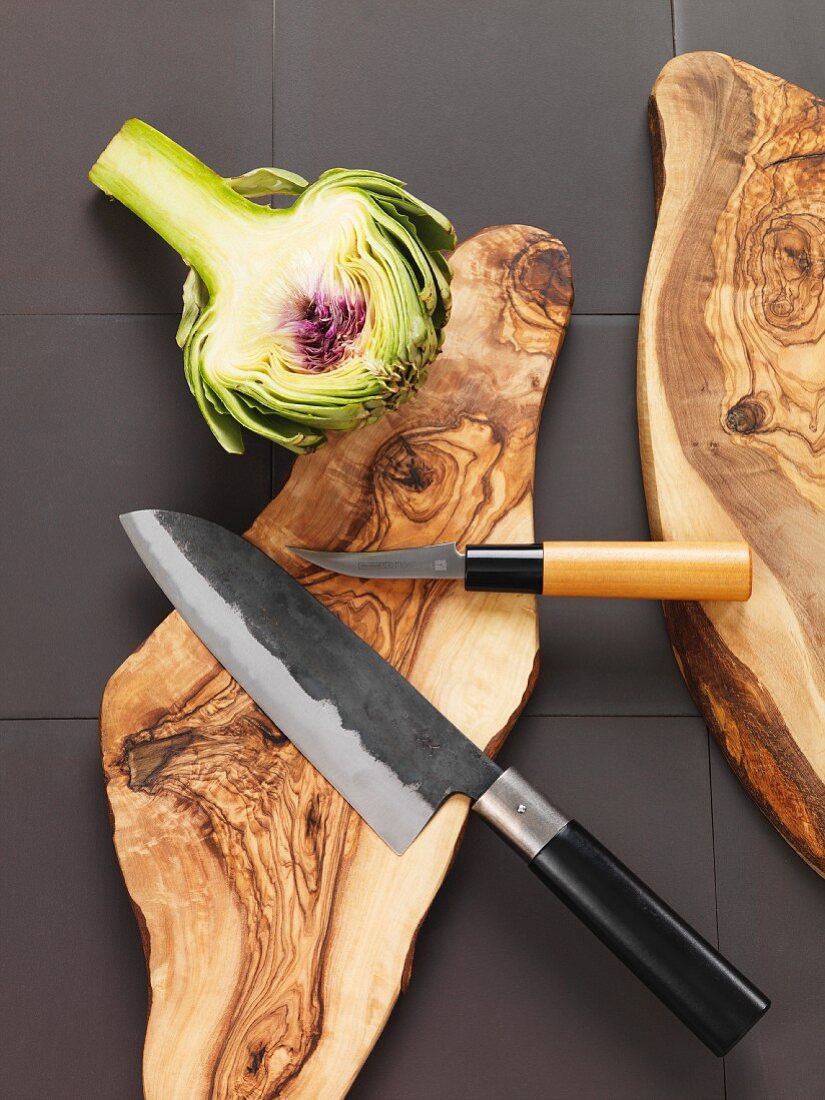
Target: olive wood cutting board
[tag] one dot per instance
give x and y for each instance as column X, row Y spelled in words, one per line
column 278, row 929
column 732, row 412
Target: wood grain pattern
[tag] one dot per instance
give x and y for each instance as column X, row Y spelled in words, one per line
column 732, row 411
column 278, row 928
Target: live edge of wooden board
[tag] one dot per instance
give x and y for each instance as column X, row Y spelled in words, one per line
column 278, row 929
column 732, row 412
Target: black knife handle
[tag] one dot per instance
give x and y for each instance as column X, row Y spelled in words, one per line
column 512, row 568
column 696, row 983
column 701, row 987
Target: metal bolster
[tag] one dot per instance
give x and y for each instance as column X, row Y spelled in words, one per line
column 520, row 814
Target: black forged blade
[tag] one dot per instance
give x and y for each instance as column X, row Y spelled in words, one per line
column 388, row 751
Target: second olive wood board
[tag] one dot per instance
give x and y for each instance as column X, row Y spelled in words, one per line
column 732, row 412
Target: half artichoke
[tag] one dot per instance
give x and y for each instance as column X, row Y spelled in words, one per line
column 298, row 321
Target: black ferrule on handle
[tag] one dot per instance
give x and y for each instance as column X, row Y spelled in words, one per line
column 515, row 568
column 708, row 994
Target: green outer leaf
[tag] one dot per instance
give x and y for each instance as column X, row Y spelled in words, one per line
column 225, row 429
column 277, row 428
column 435, row 231
column 195, row 297
column 267, row 181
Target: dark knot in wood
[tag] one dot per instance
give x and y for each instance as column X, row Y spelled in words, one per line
column 746, row 416
column 401, row 464
column 147, row 758
column 792, row 265
column 542, row 275
column 256, row 1057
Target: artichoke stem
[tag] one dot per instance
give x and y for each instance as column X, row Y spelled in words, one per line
column 185, row 202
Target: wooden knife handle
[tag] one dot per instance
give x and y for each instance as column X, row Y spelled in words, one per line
column 648, row 570
column 633, row 570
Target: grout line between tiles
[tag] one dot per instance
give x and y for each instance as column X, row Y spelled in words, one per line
column 272, row 101
column 715, row 888
column 100, row 313
column 272, row 161
column 176, row 313
column 713, row 841
column 51, row 718
column 599, row 714
column 524, row 714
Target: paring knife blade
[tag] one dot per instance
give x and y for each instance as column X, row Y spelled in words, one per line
column 395, row 758
column 444, row 561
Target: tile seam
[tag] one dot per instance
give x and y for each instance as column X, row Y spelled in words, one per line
column 99, row 313
column 524, row 714
column 604, row 714
column 176, row 313
column 272, row 161
column 50, row 718
column 715, row 886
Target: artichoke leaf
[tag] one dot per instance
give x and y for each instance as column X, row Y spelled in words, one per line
column 430, row 281
column 223, row 426
column 279, row 429
column 267, row 181
column 434, row 230
column 195, row 298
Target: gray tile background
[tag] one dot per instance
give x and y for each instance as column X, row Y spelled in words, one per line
column 530, row 110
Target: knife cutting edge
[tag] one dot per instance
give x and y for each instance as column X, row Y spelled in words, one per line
column 637, row 570
column 396, row 759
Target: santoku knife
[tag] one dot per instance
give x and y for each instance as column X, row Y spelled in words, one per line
column 639, row 570
column 396, row 759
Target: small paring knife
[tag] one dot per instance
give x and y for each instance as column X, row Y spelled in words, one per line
column 396, row 759
column 633, row 570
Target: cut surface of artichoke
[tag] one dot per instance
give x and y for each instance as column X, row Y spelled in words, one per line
column 297, row 321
